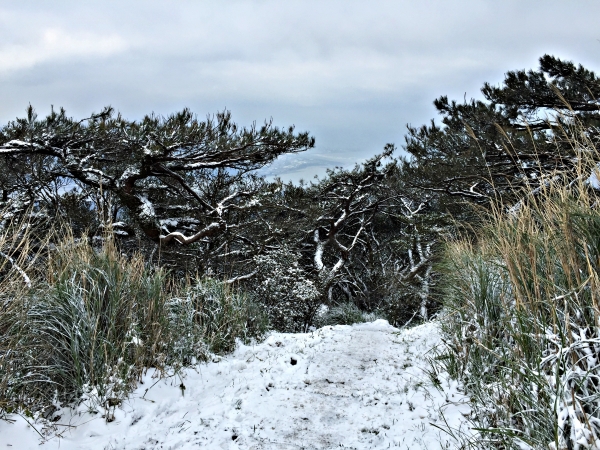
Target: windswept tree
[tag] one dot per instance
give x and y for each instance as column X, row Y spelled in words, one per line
column 175, row 179
column 348, row 201
column 360, row 235
column 519, row 136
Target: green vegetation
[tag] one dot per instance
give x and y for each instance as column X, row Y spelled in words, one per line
column 345, row 314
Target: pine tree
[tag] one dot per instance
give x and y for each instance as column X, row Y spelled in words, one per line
column 517, row 137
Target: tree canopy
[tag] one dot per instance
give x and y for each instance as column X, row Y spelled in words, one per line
column 151, row 167
column 518, row 136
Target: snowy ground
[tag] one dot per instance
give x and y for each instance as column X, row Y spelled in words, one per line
column 357, row 387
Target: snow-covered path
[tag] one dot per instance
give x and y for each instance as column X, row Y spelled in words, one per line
column 362, row 387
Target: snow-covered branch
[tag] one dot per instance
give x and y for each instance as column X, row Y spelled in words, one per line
column 209, row 230
column 17, row 268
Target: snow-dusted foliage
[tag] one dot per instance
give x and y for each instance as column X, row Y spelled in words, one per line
column 519, row 135
column 408, row 298
column 208, row 317
column 89, row 320
column 522, row 323
column 290, row 297
column 148, row 166
column 363, row 238
column 188, row 185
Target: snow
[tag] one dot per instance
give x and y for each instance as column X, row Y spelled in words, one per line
column 169, row 223
column 10, row 145
column 128, row 173
column 364, row 386
column 319, row 253
column 26, row 279
column 593, row 178
column 146, row 208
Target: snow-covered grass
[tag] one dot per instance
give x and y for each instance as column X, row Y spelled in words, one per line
column 366, row 386
column 88, row 321
column 522, row 319
column 343, row 314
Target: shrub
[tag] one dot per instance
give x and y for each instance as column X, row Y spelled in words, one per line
column 291, row 299
column 343, row 314
column 95, row 321
column 215, row 315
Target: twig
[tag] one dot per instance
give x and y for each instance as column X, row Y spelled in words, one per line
column 31, row 425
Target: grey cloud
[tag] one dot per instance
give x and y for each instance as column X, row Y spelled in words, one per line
column 352, row 72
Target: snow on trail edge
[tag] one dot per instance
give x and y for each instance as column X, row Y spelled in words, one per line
column 356, row 387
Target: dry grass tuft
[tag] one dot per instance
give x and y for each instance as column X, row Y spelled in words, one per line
column 522, row 317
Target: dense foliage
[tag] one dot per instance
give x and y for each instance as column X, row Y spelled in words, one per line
column 521, row 319
column 184, row 191
column 176, row 248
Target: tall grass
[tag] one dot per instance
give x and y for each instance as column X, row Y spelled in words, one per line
column 91, row 320
column 17, row 263
column 522, row 317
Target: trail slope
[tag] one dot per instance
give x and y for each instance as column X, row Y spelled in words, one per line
column 357, row 387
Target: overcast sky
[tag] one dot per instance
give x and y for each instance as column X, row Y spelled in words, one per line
column 353, row 73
